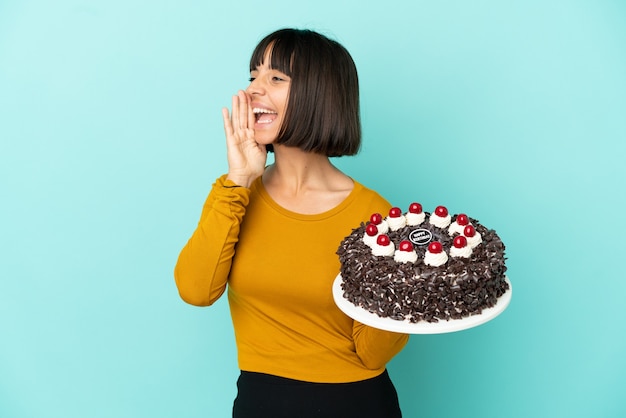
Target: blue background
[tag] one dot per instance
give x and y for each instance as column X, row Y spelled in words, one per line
column 111, row 135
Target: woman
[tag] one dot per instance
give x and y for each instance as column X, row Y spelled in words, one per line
column 271, row 233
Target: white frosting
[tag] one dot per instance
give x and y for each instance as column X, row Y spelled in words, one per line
column 472, row 242
column 464, row 252
column 383, row 250
column 435, row 260
column 383, row 227
column 369, row 241
column 440, row 222
column 396, row 223
column 455, row 228
column 413, row 219
column 405, row 256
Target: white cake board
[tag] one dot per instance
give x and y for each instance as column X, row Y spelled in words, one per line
column 368, row 318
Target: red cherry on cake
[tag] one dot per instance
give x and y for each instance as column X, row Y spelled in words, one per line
column 415, row 208
column 371, row 230
column 376, row 218
column 459, row 241
column 462, row 219
column 441, row 211
column 383, row 240
column 435, row 247
column 406, row 246
column 469, row 231
column 395, row 212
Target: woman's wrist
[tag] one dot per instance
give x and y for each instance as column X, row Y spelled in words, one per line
column 239, row 181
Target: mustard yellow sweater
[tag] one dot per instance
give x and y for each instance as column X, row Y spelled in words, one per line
column 279, row 267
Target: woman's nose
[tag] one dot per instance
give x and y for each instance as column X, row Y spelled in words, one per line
column 255, row 87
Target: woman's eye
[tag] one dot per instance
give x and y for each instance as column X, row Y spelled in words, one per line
column 251, row 79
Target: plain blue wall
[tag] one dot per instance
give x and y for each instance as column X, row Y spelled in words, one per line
column 110, row 130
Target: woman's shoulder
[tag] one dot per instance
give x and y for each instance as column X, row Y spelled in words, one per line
column 370, row 198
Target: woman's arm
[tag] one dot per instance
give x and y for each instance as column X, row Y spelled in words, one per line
column 376, row 347
column 204, row 263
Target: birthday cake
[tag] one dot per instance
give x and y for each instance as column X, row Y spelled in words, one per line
column 419, row 266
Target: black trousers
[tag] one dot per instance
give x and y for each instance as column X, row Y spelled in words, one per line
column 265, row 396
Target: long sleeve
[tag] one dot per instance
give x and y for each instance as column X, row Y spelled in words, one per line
column 376, row 347
column 203, row 266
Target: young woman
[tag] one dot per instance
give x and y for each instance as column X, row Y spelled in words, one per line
column 269, row 235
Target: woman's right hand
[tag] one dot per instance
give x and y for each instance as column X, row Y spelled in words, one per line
column 246, row 157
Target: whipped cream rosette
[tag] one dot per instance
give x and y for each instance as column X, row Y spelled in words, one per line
column 383, row 247
column 370, row 235
column 415, row 215
column 460, row 248
column 405, row 253
column 435, row 255
column 396, row 219
column 440, row 218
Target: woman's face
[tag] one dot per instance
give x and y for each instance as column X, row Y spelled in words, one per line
column 269, row 91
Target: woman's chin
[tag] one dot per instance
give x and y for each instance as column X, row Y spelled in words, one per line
column 263, row 138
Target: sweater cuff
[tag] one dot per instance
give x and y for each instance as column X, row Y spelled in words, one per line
column 227, row 194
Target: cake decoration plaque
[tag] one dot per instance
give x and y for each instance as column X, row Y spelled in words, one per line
column 420, row 236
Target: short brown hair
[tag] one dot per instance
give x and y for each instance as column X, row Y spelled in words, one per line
column 322, row 113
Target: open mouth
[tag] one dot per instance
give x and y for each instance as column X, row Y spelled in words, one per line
column 264, row 116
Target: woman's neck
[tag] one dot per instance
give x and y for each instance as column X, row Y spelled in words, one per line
column 297, row 169
column 305, row 182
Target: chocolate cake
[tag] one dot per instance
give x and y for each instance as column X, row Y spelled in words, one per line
column 421, row 266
